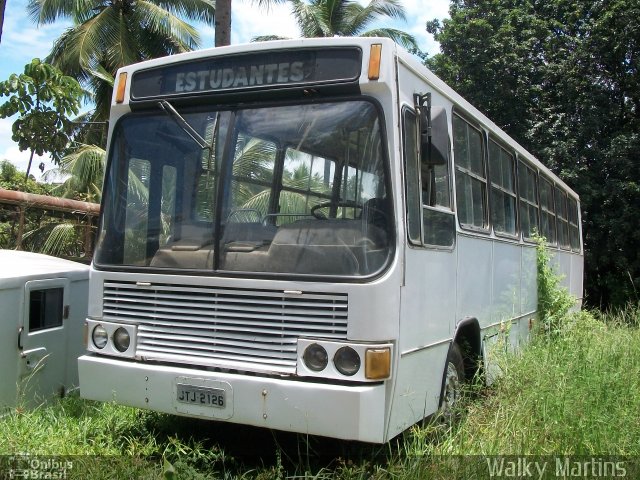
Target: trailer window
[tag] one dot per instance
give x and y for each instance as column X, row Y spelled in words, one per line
column 45, row 308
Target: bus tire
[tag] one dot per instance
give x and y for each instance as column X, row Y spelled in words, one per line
column 452, row 383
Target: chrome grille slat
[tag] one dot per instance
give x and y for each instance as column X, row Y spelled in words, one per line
column 229, row 331
column 226, row 327
column 134, row 297
column 161, row 307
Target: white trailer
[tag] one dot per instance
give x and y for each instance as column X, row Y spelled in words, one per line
column 43, row 305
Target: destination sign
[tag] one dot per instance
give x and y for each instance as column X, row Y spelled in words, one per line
column 249, row 71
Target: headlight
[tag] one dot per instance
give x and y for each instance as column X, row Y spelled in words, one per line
column 121, row 339
column 347, row 361
column 99, row 336
column 315, row 357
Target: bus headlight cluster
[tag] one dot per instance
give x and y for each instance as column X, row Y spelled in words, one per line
column 99, row 336
column 347, row 361
column 111, row 338
column 121, row 339
column 315, row 357
column 336, row 360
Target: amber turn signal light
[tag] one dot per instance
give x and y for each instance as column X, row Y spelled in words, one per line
column 375, row 56
column 122, row 87
column 377, row 363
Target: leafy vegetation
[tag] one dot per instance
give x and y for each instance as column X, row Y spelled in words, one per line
column 327, row 18
column 44, row 98
column 562, row 78
column 108, row 35
column 570, row 393
column 12, row 179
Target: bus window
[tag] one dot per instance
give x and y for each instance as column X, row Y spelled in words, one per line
column 574, row 228
column 428, row 194
column 307, row 181
column 503, row 194
column 563, row 222
column 528, row 189
column 471, row 179
column 168, row 203
column 299, row 190
column 252, row 179
column 412, row 178
column 136, row 214
column 547, row 212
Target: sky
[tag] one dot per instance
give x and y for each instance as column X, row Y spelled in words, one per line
column 22, row 41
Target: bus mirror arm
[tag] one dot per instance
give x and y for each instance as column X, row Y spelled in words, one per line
column 434, row 133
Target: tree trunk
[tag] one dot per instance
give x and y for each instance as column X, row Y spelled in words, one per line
column 3, row 4
column 223, row 23
column 26, row 177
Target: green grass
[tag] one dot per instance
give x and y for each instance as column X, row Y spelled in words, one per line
column 573, row 393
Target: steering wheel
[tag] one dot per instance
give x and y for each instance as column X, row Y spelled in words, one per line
column 339, row 203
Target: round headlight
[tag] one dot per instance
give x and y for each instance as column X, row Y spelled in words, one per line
column 347, row 361
column 99, row 336
column 315, row 357
column 121, row 339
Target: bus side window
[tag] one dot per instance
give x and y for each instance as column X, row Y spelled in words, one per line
column 528, row 191
column 574, row 225
column 412, row 179
column 502, row 169
column 471, row 176
column 562, row 219
column 430, row 220
column 547, row 211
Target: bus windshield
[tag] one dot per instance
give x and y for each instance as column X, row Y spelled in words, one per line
column 296, row 189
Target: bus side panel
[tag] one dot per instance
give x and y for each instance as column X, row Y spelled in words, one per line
column 561, row 262
column 426, row 325
column 506, row 281
column 475, row 267
column 417, row 389
column 577, row 275
column 529, row 280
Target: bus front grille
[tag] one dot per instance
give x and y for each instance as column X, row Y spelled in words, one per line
column 229, row 328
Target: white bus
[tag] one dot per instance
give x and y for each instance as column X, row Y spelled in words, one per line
column 313, row 235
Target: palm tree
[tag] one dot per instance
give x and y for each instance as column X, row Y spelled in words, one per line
column 84, row 172
column 109, row 34
column 347, row 18
column 223, row 19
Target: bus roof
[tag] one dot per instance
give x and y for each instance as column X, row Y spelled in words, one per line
column 390, row 50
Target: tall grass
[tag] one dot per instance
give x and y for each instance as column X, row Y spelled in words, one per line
column 573, row 390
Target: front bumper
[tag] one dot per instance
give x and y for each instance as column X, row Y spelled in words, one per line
column 339, row 411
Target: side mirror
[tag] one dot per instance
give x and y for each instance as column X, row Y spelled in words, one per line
column 434, row 131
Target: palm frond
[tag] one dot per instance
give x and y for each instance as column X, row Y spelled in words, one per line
column 405, row 39
column 387, row 8
column 200, row 10
column 85, row 168
column 48, row 11
column 161, row 22
column 310, row 19
column 64, row 239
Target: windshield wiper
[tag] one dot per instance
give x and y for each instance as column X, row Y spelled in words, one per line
column 183, row 124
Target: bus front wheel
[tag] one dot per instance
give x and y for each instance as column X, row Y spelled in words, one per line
column 452, row 383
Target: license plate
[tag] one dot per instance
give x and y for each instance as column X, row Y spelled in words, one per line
column 209, row 397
